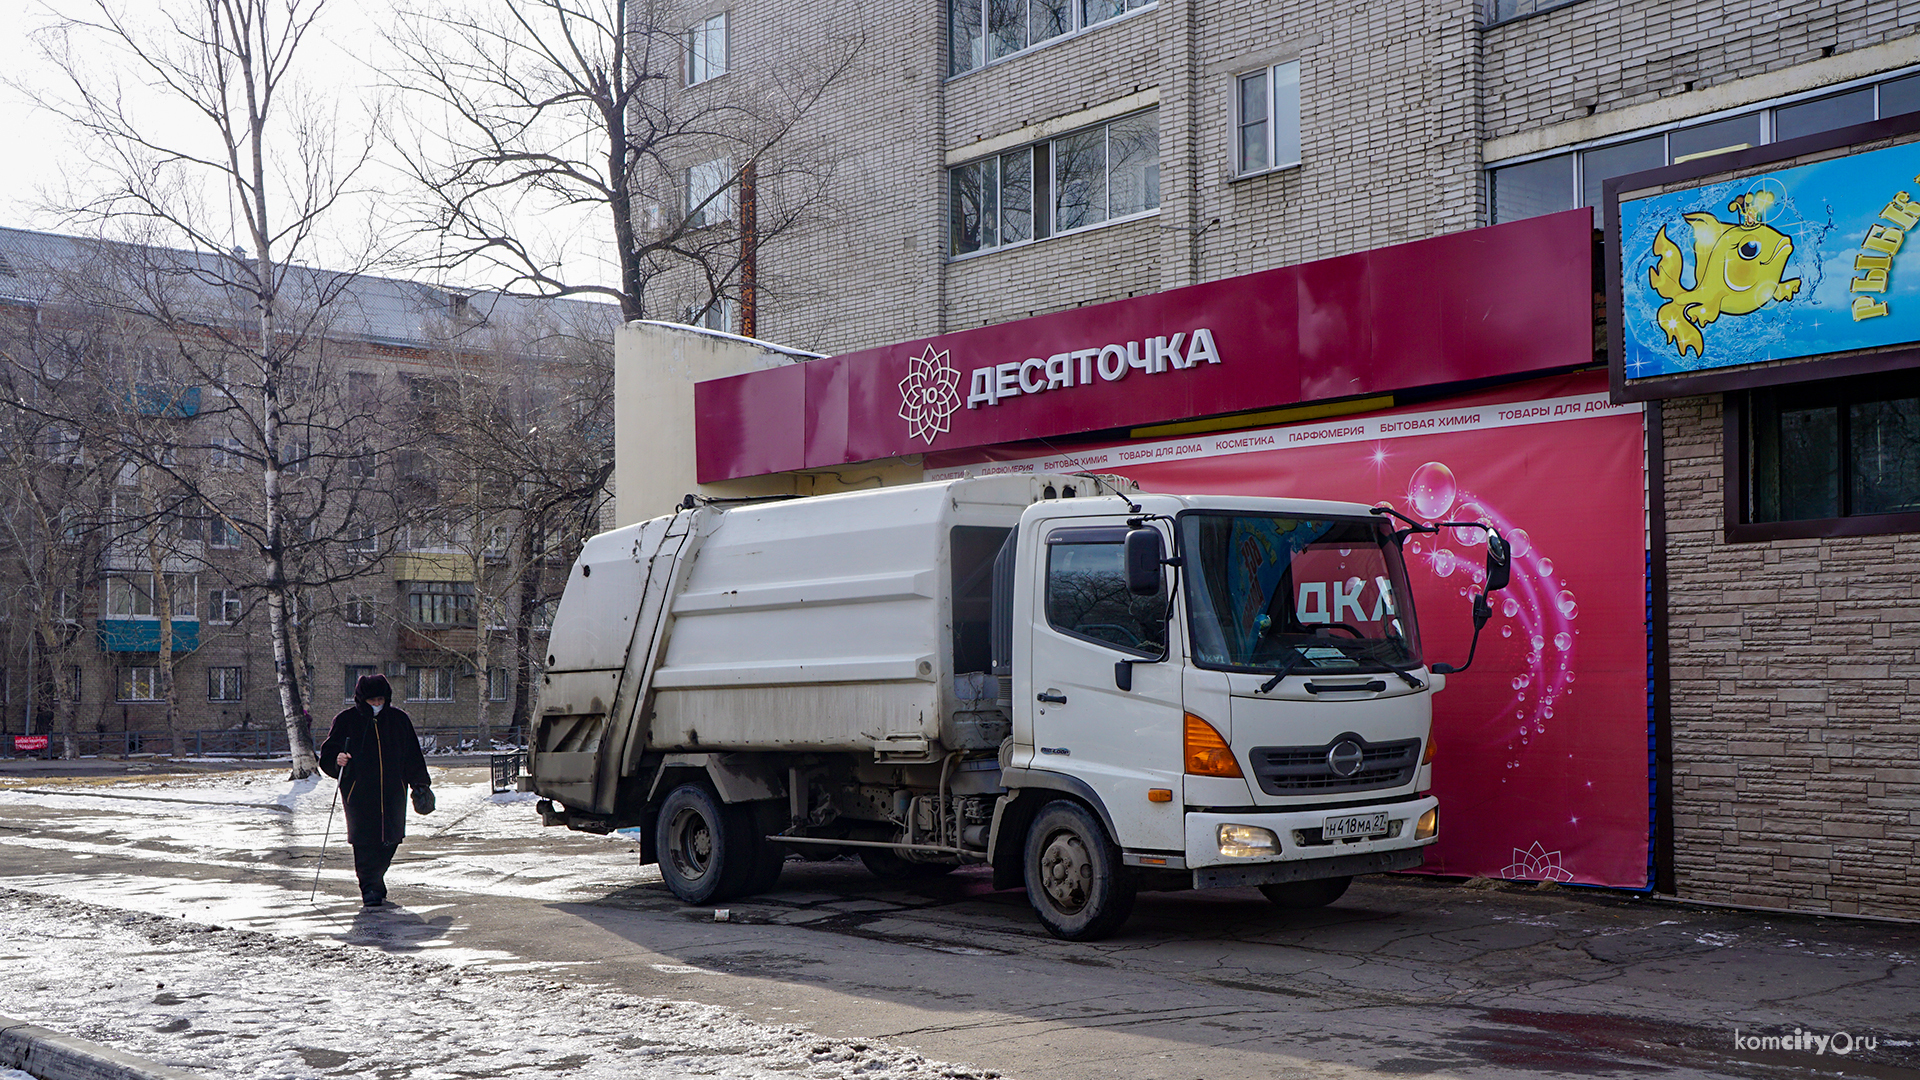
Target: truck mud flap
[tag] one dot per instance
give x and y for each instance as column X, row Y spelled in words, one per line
column 1227, row 877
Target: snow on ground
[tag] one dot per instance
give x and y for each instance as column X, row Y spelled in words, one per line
column 237, row 1004
column 229, row 820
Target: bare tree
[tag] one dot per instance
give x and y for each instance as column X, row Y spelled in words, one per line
column 518, row 453
column 269, row 162
column 583, row 108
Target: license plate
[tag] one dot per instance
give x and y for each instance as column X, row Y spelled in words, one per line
column 1346, row 828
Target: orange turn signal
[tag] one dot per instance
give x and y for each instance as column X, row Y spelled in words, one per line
column 1427, row 758
column 1207, row 753
column 1159, row 794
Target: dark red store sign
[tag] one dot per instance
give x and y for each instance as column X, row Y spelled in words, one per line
column 1502, row 301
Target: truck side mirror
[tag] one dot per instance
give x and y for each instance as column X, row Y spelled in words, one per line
column 1146, row 551
column 1499, row 561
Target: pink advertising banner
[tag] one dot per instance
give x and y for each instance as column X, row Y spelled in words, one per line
column 1542, row 762
column 1507, row 300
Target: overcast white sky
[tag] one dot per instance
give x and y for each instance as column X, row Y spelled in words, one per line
column 44, row 156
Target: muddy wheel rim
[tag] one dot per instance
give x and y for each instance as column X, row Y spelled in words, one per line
column 1066, row 872
column 690, row 844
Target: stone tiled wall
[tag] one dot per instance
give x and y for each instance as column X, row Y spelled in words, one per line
column 1796, row 720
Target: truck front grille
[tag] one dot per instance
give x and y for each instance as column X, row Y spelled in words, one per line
column 1309, row 770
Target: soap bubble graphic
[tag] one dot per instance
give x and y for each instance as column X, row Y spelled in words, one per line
column 1537, row 603
column 1431, row 490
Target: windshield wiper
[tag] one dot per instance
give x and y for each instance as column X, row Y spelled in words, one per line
column 1298, row 656
column 1372, row 654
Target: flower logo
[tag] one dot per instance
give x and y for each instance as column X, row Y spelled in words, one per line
column 929, row 395
column 1536, row 864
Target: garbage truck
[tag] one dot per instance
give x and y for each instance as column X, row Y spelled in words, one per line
column 1090, row 689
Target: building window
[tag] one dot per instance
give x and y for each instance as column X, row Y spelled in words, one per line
column 220, row 534
column 707, row 50
column 1267, row 119
column 139, row 684
column 1833, row 455
column 429, row 684
column 359, row 611
column 354, row 674
column 1563, row 181
column 1104, row 173
column 223, row 606
column 497, row 684
column 66, row 609
column 982, row 31
column 709, row 192
column 498, row 537
column 440, row 603
column 716, row 314
column 223, row 684
column 133, row 596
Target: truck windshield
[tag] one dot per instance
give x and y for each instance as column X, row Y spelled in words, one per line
column 1269, row 593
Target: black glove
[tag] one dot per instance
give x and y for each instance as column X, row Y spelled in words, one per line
column 423, row 800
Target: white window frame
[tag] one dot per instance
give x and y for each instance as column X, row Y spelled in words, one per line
column 1277, row 77
column 710, row 182
column 365, row 612
column 138, row 683
column 127, row 594
column 223, row 606
column 498, row 680
column 225, row 454
column 715, row 316
column 1765, row 109
column 217, row 683
column 702, row 63
column 1077, row 9
column 1052, row 193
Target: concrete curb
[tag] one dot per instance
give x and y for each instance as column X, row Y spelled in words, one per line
column 50, row 1055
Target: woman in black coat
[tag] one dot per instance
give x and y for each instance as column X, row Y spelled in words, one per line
column 375, row 754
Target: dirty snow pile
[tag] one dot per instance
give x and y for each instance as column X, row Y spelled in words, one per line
column 231, row 1003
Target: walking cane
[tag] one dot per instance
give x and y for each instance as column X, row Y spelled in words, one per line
column 324, row 837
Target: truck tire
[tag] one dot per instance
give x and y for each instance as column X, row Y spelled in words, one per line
column 705, row 849
column 1075, row 879
column 888, row 865
column 760, row 819
column 1300, row 895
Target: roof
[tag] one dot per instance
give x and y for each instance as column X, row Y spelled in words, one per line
column 42, row 268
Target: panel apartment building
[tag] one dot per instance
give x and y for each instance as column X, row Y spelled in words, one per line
column 1003, row 163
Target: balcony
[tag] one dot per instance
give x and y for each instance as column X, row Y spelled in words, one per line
column 419, row 639
column 143, row 635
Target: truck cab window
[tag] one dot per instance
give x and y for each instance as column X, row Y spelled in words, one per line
column 1087, row 593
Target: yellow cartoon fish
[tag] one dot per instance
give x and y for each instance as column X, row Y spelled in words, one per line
column 1736, row 270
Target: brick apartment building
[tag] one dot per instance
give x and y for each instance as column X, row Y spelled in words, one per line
column 132, row 452
column 1009, row 160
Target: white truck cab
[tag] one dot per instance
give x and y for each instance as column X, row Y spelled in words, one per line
column 1091, row 689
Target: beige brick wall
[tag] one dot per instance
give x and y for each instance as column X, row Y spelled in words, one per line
column 1796, row 726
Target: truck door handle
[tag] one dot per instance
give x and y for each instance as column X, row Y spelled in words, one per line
column 1054, row 697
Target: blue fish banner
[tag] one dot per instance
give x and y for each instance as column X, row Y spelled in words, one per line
column 1801, row 262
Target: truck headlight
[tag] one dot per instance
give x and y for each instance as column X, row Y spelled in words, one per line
column 1429, row 824
column 1247, row 842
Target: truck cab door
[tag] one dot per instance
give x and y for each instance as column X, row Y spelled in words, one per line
column 1122, row 743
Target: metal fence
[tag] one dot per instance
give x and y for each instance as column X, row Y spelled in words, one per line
column 249, row 743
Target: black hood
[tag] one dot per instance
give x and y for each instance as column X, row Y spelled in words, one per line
column 372, row 686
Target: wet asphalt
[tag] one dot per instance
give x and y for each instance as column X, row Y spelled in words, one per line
column 1404, row 976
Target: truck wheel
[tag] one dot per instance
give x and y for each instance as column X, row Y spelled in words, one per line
column 1307, row 894
column 1075, row 880
column 888, row 865
column 701, row 856
column 760, row 819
